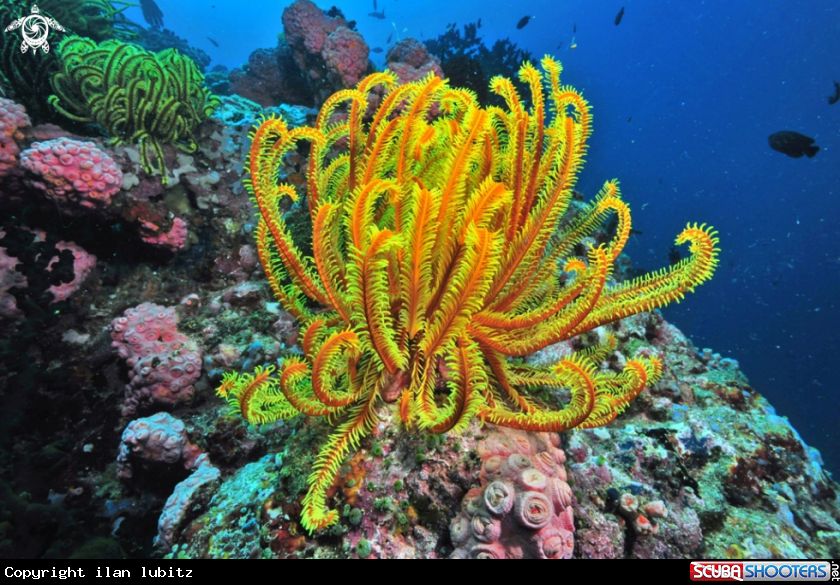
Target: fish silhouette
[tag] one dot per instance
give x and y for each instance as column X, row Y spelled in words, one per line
column 793, row 144
column 835, row 97
column 619, row 16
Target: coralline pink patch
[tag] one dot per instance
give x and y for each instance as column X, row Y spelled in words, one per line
column 72, row 172
column 174, row 239
column 83, row 263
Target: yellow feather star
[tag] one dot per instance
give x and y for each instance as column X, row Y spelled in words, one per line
column 440, row 250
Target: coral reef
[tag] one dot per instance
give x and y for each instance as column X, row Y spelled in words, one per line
column 139, row 97
column 331, row 55
column 270, row 78
column 164, row 362
column 697, row 465
column 410, row 61
column 345, row 54
column 72, row 172
column 163, row 439
column 442, row 273
column 523, row 508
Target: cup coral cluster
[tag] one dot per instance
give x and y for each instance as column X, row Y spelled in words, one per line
column 71, row 171
column 164, row 362
column 442, row 247
column 523, row 507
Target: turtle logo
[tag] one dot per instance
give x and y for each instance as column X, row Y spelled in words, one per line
column 35, row 29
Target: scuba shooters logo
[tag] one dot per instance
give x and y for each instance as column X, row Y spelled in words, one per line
column 798, row 571
column 35, row 28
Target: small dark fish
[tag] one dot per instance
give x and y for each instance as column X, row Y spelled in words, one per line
column 478, row 24
column 152, row 13
column 215, row 44
column 377, row 49
column 630, row 119
column 522, row 22
column 835, row 97
column 390, row 36
column 379, row 15
column 374, row 5
column 793, row 144
column 674, row 255
column 574, row 29
column 558, row 46
column 619, row 16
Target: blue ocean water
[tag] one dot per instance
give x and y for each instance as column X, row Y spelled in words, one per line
column 684, row 95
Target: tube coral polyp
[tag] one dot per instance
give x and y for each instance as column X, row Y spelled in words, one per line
column 441, row 250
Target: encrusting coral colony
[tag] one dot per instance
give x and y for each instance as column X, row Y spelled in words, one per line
column 441, row 249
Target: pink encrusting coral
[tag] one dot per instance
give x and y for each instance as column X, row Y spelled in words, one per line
column 307, row 27
column 158, row 438
column 346, row 55
column 411, row 61
column 10, row 277
column 162, row 439
column 73, row 172
column 83, row 263
column 325, row 49
column 164, row 363
column 174, row 239
column 523, row 507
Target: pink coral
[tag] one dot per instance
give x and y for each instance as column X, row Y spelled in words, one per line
column 411, row 61
column 523, row 509
column 174, row 239
column 164, row 363
column 346, row 55
column 10, row 278
column 12, row 118
column 160, row 438
column 83, row 263
column 320, row 43
column 73, row 172
column 306, row 26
